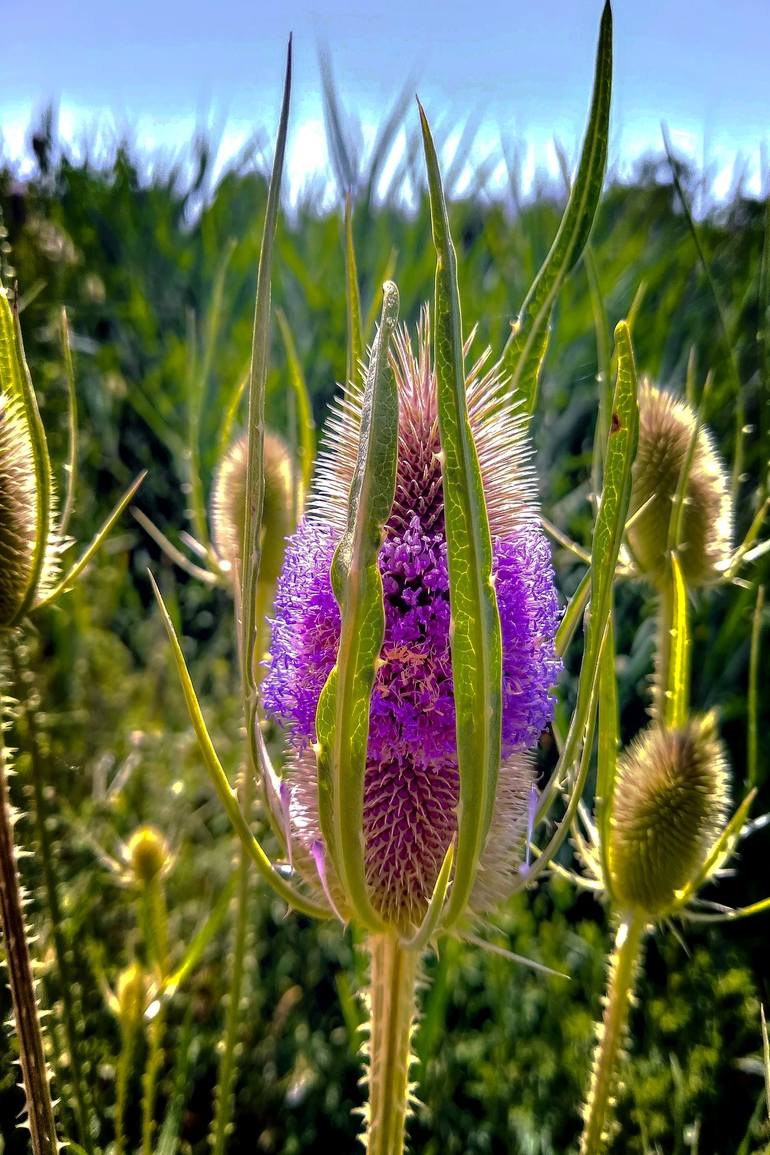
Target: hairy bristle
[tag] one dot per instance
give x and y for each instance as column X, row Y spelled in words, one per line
column 671, row 805
column 666, row 429
column 18, row 509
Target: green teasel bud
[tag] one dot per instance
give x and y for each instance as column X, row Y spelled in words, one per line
column 671, row 805
column 130, row 996
column 148, row 854
column 667, row 427
column 228, row 504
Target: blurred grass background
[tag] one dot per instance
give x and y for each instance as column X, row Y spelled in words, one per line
column 135, row 252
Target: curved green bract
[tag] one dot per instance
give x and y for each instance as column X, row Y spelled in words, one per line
column 526, row 347
column 17, row 383
column 608, row 533
column 342, row 717
column 476, row 644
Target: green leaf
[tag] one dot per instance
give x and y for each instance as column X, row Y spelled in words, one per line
column 752, row 744
column 607, row 750
column 221, row 784
column 342, row 717
column 352, row 299
column 72, row 424
column 429, row 925
column 676, row 692
column 96, row 542
column 526, row 347
column 475, row 639
column 260, row 351
column 573, row 613
column 607, row 537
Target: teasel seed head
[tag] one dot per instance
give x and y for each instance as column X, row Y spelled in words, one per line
column 411, row 781
column 228, row 504
column 671, row 804
column 148, row 855
column 666, row 428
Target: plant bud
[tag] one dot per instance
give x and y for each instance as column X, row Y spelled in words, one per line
column 666, row 429
column 228, row 504
column 148, row 854
column 130, row 995
column 670, row 807
column 18, row 504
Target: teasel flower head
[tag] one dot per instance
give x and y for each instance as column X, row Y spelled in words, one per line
column 411, row 785
column 28, row 568
column 671, row 806
column 148, row 855
column 130, row 996
column 671, row 441
column 228, row 504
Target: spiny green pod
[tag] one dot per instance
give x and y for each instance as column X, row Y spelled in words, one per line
column 667, row 427
column 671, row 803
column 148, row 854
column 228, row 504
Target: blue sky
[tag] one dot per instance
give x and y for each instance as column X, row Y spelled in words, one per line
column 523, row 67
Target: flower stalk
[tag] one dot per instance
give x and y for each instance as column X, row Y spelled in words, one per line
column 393, row 978
column 624, row 965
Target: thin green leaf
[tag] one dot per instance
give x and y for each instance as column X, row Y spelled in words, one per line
column 386, row 274
column 607, row 750
column 342, row 718
column 607, row 537
column 753, row 695
column 766, row 1056
column 604, row 365
column 248, row 602
column 429, row 924
column 526, row 347
column 200, row 940
column 573, row 613
column 352, row 299
column 72, row 424
column 676, row 692
column 99, row 538
column 304, row 409
column 220, row 781
column 476, row 645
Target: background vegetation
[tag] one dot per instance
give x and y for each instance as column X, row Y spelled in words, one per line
column 157, row 272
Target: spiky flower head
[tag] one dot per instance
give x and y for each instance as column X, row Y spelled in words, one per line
column 411, row 784
column 667, row 427
column 671, row 804
column 148, row 854
column 228, row 504
column 19, row 496
column 130, row 996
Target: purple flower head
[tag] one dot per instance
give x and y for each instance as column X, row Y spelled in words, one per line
column 411, row 786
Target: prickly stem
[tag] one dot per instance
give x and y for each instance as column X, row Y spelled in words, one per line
column 34, row 1069
column 624, row 964
column 392, row 997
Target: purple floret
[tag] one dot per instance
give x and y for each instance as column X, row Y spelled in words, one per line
column 411, row 785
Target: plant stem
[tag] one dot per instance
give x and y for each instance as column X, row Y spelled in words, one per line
column 392, row 993
column 34, row 1070
column 620, row 988
column 155, row 920
column 66, row 982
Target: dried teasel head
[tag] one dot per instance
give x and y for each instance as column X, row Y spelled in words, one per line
column 667, row 427
column 671, row 804
column 228, row 504
column 148, row 855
